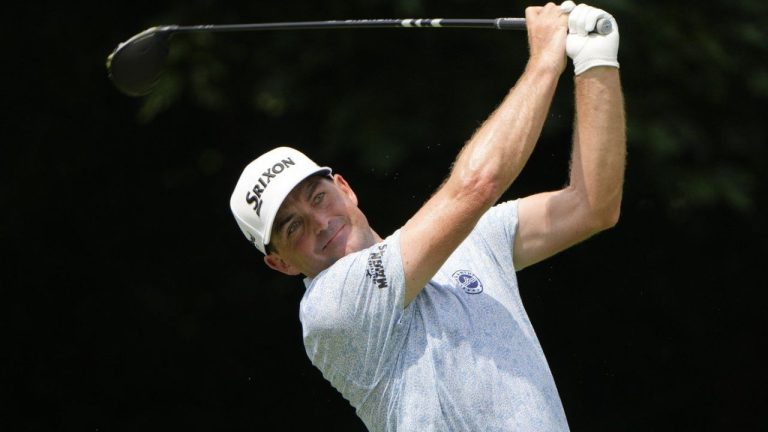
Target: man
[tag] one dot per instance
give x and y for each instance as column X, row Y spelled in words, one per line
column 424, row 330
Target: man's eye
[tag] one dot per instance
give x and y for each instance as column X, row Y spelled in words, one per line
column 319, row 197
column 293, row 226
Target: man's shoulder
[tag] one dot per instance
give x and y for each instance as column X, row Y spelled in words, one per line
column 352, row 278
column 368, row 262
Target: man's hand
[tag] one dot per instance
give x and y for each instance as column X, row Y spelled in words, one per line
column 547, row 30
column 589, row 49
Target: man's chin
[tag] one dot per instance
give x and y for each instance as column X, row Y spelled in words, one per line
column 356, row 243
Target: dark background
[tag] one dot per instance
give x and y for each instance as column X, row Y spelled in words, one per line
column 132, row 302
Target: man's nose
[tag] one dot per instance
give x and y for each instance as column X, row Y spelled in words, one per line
column 320, row 222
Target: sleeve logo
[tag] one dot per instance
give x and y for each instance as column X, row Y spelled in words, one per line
column 375, row 269
column 468, row 281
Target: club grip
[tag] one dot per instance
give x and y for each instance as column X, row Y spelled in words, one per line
column 603, row 26
column 510, row 23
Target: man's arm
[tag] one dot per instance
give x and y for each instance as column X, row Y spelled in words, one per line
column 553, row 221
column 491, row 160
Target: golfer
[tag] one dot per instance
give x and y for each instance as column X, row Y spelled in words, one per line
column 424, row 329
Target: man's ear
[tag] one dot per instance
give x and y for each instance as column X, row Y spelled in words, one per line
column 275, row 262
column 344, row 186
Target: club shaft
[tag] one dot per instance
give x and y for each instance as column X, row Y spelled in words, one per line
column 487, row 23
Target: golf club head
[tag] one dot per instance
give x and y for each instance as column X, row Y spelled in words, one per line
column 136, row 65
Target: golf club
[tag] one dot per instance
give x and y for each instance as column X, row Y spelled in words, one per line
column 136, row 65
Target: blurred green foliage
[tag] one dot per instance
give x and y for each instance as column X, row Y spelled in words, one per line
column 695, row 78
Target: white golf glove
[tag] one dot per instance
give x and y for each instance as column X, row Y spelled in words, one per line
column 587, row 49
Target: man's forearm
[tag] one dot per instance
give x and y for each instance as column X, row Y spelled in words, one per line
column 599, row 151
column 486, row 166
column 498, row 151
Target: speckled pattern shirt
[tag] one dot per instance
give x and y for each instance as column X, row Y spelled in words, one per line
column 462, row 356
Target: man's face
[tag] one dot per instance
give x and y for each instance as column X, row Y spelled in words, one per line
column 318, row 223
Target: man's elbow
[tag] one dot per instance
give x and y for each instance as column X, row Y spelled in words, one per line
column 604, row 218
column 612, row 218
column 480, row 189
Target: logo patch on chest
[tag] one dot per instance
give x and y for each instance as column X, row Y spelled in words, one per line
column 468, row 281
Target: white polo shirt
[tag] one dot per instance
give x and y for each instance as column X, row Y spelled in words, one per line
column 462, row 356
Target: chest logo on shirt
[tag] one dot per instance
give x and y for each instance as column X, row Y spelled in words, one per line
column 375, row 269
column 468, row 281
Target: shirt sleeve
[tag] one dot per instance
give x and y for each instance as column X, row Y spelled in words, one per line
column 353, row 317
column 496, row 231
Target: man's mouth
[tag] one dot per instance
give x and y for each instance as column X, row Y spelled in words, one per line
column 333, row 237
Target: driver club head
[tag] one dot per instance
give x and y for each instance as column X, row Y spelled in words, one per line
column 136, row 65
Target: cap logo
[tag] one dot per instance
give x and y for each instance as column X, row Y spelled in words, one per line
column 254, row 196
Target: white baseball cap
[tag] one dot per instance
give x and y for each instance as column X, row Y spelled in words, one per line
column 263, row 186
